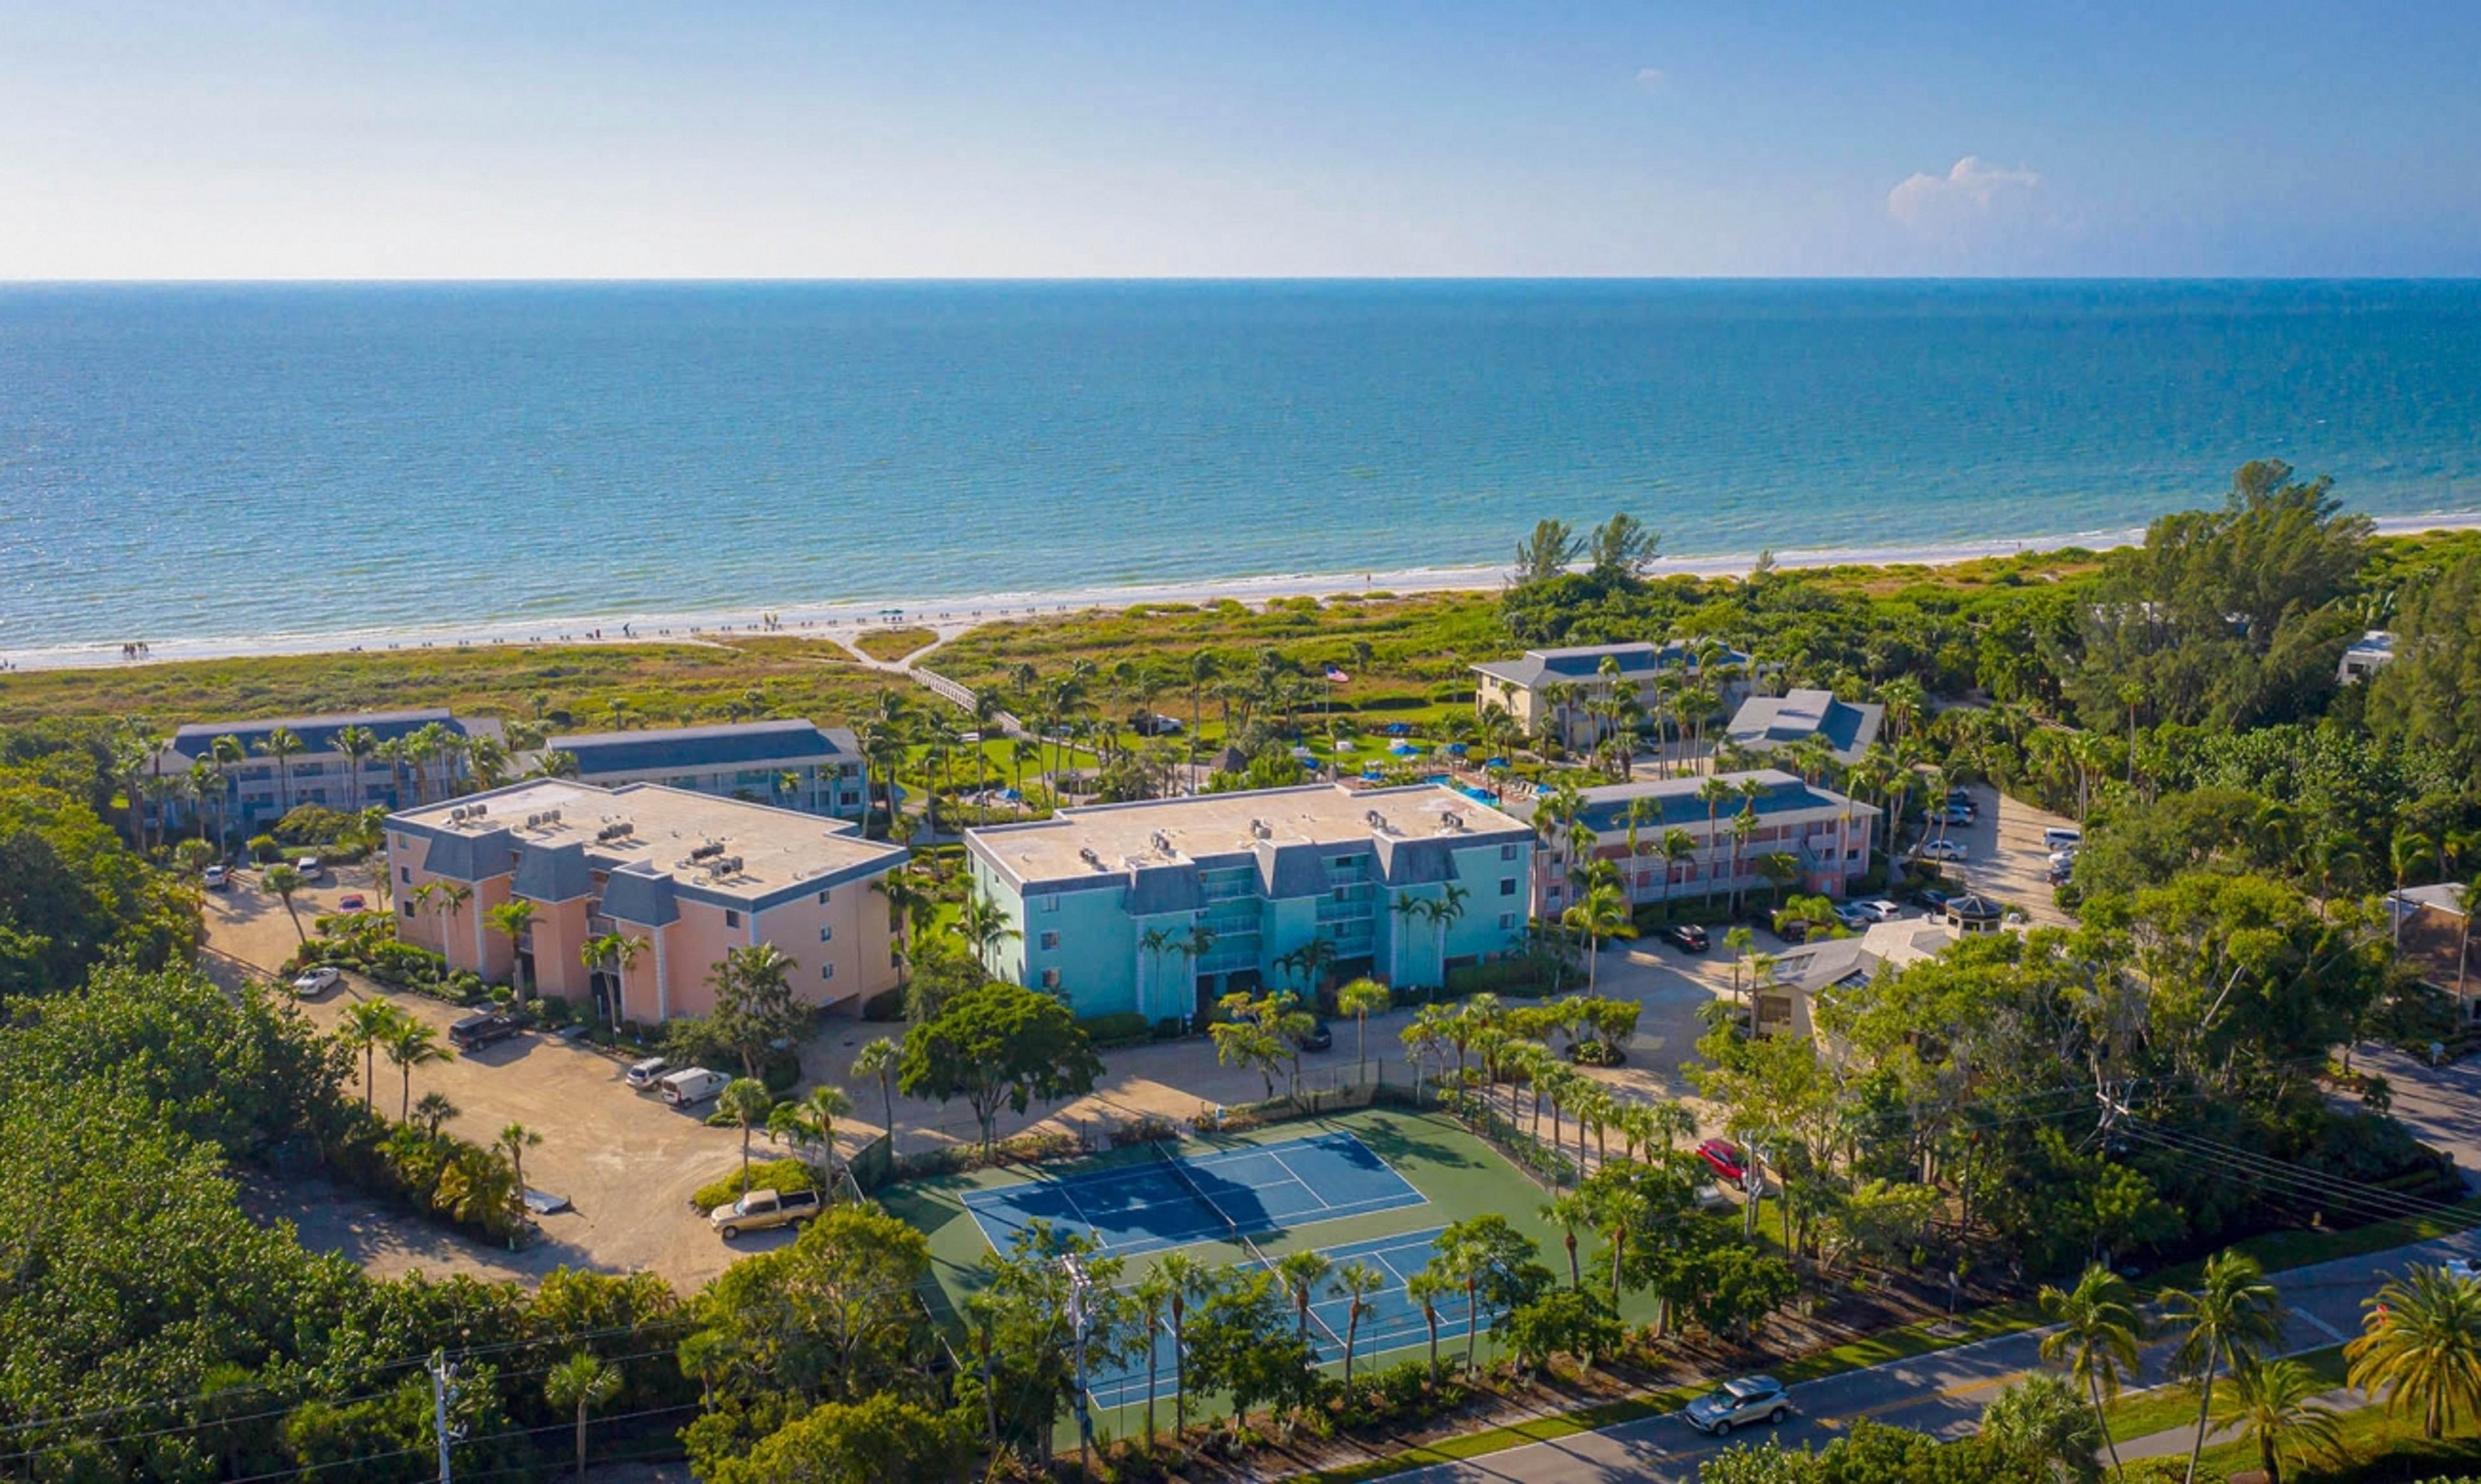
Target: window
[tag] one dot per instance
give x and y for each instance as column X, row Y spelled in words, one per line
column 827, row 934
column 827, row 971
column 405, row 873
column 407, row 907
column 1507, row 922
column 1507, row 852
column 731, row 919
column 1507, row 885
column 1051, row 904
column 1051, row 940
column 1339, row 894
column 1051, row 979
column 823, row 899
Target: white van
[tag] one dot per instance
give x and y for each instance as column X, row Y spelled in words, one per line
column 692, row 1085
column 2060, row 838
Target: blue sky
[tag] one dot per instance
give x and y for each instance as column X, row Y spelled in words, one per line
column 545, row 137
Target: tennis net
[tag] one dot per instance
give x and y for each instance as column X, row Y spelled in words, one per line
column 1240, row 1236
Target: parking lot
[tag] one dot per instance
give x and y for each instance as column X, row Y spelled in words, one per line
column 2006, row 856
column 625, row 1161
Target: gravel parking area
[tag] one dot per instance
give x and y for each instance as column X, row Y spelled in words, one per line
column 625, row 1161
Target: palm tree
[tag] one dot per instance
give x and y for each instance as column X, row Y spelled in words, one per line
column 819, row 1110
column 745, row 1101
column 878, row 1058
column 412, row 1044
column 613, row 953
column 1188, row 1278
column 281, row 743
column 1780, row 868
column 1425, row 1289
column 514, row 1141
column 1152, row 1296
column 1603, row 913
column 2231, row 1316
column 368, row 1022
column 1358, row 1284
column 2280, row 1409
column 228, row 754
column 1362, row 999
column 2098, row 1327
column 1678, row 844
column 1568, row 1212
column 985, row 923
column 431, row 1111
column 283, row 880
column 355, row 744
column 2420, row 1343
column 1302, row 1273
column 511, row 920
column 2042, row 1419
column 580, row 1383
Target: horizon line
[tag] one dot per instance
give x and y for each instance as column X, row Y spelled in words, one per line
column 547, row 280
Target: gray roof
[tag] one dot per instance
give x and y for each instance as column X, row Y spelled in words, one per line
column 1416, row 862
column 642, row 893
column 318, row 734
column 1674, row 801
column 1584, row 662
column 1155, row 890
column 1769, row 722
column 686, row 748
column 471, row 856
column 558, row 873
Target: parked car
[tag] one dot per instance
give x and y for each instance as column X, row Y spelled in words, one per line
column 690, row 1085
column 1320, row 1037
column 1724, row 1160
column 476, row 1031
column 760, row 1209
column 351, row 901
column 1686, row 937
column 316, row 981
column 2463, row 1269
column 1959, row 813
column 1853, row 915
column 1942, row 851
column 1738, row 1403
column 643, row 1074
column 1882, row 910
column 1932, row 897
column 2063, row 860
column 1793, row 930
column 2061, row 837
column 215, row 878
column 310, row 866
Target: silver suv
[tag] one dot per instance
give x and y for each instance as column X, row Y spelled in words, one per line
column 1749, row 1400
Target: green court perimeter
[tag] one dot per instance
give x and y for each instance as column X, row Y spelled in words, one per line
column 1460, row 1176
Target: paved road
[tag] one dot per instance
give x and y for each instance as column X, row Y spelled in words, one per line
column 1942, row 1393
column 2440, row 1106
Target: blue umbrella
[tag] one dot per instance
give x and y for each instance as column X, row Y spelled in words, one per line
column 1495, row 762
column 1456, row 748
column 1405, row 750
column 1398, row 729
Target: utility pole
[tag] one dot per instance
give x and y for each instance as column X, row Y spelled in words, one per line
column 443, row 1391
column 1079, row 1290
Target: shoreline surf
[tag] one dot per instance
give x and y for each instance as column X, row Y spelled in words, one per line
column 954, row 615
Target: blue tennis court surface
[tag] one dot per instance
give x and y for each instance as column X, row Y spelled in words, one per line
column 1390, row 1320
column 1238, row 1192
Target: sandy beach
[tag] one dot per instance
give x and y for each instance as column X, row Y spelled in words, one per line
column 955, row 614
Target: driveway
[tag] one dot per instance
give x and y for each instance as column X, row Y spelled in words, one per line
column 2005, row 857
column 2442, row 1105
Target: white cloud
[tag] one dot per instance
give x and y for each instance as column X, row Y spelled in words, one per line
column 1651, row 77
column 1972, row 185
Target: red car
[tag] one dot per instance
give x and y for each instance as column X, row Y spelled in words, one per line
column 1724, row 1160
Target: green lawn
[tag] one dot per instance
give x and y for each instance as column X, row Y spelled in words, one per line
column 2165, row 1408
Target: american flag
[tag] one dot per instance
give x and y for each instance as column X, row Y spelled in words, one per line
column 1335, row 675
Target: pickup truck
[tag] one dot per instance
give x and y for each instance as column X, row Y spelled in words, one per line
column 760, row 1209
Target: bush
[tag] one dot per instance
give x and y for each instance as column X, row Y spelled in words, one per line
column 1529, row 977
column 264, row 848
column 1171, row 1027
column 770, row 1175
column 888, row 1004
column 1126, row 1028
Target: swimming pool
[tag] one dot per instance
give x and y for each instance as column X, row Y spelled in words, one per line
column 1478, row 795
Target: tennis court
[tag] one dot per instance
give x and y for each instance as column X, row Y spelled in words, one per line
column 1235, row 1194
column 1390, row 1318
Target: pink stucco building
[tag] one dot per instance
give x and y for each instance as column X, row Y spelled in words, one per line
column 686, row 875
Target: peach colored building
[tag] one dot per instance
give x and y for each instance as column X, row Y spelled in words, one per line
column 687, row 875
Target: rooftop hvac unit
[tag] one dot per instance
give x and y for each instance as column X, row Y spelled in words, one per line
column 1451, row 821
column 1259, row 828
column 1163, row 842
column 707, row 851
column 551, row 816
column 479, row 810
column 1087, row 855
column 456, row 816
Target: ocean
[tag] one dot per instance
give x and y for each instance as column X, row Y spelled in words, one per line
column 219, row 464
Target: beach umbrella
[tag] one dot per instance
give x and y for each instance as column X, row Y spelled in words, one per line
column 1405, row 750
column 1495, row 762
column 1398, row 729
column 1456, row 749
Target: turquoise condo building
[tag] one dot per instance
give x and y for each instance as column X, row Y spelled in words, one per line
column 1161, row 906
